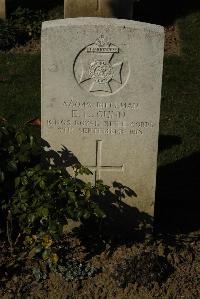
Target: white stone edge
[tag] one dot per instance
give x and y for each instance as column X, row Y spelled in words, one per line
column 83, row 21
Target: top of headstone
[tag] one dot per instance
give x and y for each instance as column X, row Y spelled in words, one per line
column 102, row 21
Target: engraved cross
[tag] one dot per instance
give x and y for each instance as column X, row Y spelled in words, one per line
column 98, row 168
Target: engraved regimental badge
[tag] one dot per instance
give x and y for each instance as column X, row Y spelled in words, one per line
column 100, row 68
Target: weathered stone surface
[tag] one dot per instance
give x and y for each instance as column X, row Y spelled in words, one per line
column 101, row 90
column 3, row 9
column 98, row 8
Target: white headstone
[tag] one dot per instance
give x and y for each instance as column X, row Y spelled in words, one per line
column 98, row 8
column 101, row 91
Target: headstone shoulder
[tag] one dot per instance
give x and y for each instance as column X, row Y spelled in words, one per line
column 95, row 21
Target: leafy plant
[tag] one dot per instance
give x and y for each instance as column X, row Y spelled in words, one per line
column 39, row 191
column 7, row 35
column 18, row 151
column 27, row 23
column 41, row 247
column 36, row 200
column 74, row 270
column 23, row 25
column 70, row 269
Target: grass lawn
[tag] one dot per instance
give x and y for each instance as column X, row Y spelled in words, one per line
column 19, row 87
column 180, row 109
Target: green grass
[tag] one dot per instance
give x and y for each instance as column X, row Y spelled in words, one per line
column 19, row 87
column 180, row 109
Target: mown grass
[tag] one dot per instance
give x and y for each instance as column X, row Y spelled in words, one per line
column 19, row 87
column 180, row 109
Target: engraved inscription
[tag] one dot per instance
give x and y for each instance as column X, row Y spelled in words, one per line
column 101, row 68
column 101, row 118
column 107, row 114
column 126, row 105
column 98, row 168
column 100, row 127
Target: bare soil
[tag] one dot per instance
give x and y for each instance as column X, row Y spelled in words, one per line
column 172, row 40
column 181, row 252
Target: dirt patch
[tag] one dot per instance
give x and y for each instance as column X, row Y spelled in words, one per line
column 32, row 46
column 172, row 46
column 172, row 40
column 182, row 254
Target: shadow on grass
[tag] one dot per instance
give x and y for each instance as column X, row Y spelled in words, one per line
column 163, row 12
column 33, row 4
column 178, row 192
column 177, row 207
column 168, row 141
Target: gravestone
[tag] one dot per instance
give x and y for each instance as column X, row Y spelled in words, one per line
column 101, row 91
column 3, row 9
column 98, row 8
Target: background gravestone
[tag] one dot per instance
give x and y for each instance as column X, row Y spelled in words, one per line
column 3, row 9
column 98, row 8
column 101, row 90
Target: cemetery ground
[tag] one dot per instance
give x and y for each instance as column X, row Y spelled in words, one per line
column 168, row 264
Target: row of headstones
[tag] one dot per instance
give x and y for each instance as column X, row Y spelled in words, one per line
column 89, row 8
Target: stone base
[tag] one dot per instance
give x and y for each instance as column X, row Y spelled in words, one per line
column 98, row 8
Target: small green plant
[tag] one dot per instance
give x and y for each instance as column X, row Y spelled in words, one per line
column 46, row 198
column 75, row 270
column 27, row 23
column 18, row 151
column 42, row 247
column 23, row 25
column 36, row 200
